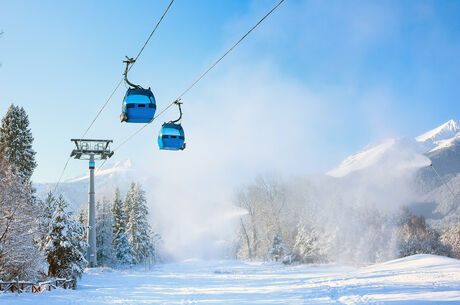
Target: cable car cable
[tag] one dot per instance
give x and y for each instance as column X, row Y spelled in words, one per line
column 102, row 108
column 114, row 90
column 60, row 177
column 229, row 50
column 134, row 61
column 151, row 34
column 443, row 182
column 197, row 80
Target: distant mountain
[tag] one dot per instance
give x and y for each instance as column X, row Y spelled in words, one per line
column 435, row 144
column 444, row 136
column 389, row 152
column 438, row 201
column 443, row 148
column 75, row 190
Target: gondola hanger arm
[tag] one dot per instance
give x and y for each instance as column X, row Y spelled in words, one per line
column 130, row 61
column 178, row 103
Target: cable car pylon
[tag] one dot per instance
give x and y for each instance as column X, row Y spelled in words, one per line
column 91, row 149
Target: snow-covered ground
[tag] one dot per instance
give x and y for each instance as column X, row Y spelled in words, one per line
column 419, row 279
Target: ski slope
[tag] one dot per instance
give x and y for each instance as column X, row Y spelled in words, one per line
column 419, row 279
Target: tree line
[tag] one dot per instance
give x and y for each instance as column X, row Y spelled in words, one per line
column 124, row 236
column 305, row 220
column 42, row 238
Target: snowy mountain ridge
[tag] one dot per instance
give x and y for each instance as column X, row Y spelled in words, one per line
column 442, row 137
column 444, row 132
column 361, row 160
column 75, row 190
column 117, row 168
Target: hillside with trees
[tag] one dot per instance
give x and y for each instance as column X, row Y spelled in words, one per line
column 43, row 238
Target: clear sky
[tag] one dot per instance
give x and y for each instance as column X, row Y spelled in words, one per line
column 317, row 81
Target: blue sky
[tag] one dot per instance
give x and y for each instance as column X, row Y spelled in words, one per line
column 317, row 81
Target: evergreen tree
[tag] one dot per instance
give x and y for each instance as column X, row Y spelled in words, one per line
column 65, row 245
column 16, row 142
column 104, row 222
column 130, row 212
column 278, row 247
column 124, row 251
column 139, row 230
column 82, row 215
column 122, row 248
column 144, row 248
column 119, row 219
column 46, row 215
column 82, row 218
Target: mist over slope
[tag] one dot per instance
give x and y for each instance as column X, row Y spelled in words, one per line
column 430, row 196
column 199, row 219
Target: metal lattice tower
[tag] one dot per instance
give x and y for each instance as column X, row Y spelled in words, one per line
column 91, row 149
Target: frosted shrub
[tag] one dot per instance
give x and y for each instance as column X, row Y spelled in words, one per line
column 451, row 237
column 416, row 237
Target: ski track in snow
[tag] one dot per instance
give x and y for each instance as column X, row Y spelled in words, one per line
column 419, row 279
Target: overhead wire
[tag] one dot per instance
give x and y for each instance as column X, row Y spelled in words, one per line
column 60, row 176
column 151, row 34
column 196, row 81
column 444, row 182
column 133, row 135
column 229, row 50
column 115, row 90
column 137, row 56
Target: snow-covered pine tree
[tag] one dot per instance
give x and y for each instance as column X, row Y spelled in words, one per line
column 82, row 215
column 124, row 251
column 122, row 248
column 278, row 247
column 19, row 254
column 138, row 227
column 47, row 208
column 130, row 210
column 16, row 142
column 82, row 218
column 104, row 221
column 65, row 244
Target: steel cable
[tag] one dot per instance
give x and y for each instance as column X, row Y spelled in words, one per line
column 114, row 90
column 443, row 182
column 196, row 81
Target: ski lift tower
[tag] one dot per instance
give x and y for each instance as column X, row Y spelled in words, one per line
column 90, row 149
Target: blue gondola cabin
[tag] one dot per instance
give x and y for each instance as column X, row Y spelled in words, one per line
column 139, row 106
column 171, row 137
